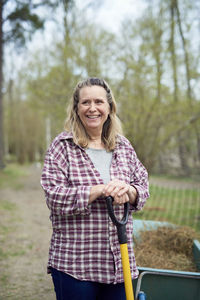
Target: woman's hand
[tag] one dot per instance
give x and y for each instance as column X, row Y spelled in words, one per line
column 120, row 191
column 120, row 200
column 95, row 192
column 115, row 188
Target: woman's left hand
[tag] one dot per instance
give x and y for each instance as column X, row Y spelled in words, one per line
column 120, row 191
column 116, row 188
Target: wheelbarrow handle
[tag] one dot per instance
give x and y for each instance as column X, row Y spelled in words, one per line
column 120, row 224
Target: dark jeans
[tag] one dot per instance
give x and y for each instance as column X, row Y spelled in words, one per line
column 69, row 288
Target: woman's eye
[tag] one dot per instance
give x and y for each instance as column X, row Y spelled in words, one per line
column 85, row 102
column 99, row 101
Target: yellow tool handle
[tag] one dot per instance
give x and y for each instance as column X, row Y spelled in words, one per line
column 126, row 272
column 121, row 232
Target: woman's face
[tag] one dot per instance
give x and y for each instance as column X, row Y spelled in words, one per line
column 93, row 108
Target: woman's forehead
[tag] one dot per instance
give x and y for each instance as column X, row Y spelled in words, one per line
column 93, row 91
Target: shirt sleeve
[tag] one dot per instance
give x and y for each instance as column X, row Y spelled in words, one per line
column 139, row 180
column 60, row 197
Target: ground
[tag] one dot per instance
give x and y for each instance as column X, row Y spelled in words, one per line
column 23, row 271
column 24, row 240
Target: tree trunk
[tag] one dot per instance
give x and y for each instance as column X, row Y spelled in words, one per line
column 196, row 130
column 158, row 76
column 1, row 91
column 186, row 58
column 48, row 131
column 157, row 52
column 198, row 144
column 173, row 54
column 183, row 155
column 180, row 138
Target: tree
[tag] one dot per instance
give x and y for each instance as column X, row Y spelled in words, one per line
column 19, row 19
column 154, row 106
column 1, row 83
column 15, row 24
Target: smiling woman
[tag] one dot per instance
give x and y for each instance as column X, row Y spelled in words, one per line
column 87, row 162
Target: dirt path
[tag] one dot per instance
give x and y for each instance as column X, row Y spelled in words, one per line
column 23, row 271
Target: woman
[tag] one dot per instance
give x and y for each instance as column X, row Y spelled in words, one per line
column 87, row 162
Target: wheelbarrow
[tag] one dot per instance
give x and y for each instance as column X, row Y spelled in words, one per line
column 167, row 284
column 121, row 231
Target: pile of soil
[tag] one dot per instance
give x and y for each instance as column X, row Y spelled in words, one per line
column 166, row 248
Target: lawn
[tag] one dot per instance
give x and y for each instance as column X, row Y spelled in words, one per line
column 174, row 205
column 10, row 174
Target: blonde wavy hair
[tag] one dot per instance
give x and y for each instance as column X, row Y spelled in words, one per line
column 112, row 126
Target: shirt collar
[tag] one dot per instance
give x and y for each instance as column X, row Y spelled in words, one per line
column 65, row 135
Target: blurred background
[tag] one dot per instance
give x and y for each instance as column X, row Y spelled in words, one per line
column 149, row 53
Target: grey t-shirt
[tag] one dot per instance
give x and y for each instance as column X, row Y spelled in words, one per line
column 102, row 161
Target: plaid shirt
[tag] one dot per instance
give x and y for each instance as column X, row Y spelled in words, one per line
column 84, row 242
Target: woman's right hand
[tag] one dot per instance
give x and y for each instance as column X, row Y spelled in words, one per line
column 96, row 191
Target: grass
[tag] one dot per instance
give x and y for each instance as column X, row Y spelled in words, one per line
column 6, row 205
column 10, row 175
column 8, row 216
column 177, row 206
column 9, row 178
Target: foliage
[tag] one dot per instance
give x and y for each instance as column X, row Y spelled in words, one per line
column 18, row 21
column 152, row 66
column 159, row 113
column 22, row 20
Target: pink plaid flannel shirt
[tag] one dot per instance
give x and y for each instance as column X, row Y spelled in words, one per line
column 84, row 242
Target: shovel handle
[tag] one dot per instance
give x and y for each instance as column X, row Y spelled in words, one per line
column 120, row 224
column 124, row 220
column 121, row 232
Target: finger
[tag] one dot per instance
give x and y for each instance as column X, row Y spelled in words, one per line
column 124, row 199
column 110, row 187
column 116, row 201
column 122, row 192
column 116, row 187
column 124, row 189
column 115, row 191
column 120, row 200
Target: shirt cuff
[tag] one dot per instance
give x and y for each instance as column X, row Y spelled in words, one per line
column 83, row 200
column 140, row 200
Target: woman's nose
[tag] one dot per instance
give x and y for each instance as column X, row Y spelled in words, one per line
column 92, row 106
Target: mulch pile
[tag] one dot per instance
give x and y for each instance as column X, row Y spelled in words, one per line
column 166, row 248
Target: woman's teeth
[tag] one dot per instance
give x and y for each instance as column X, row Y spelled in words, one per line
column 92, row 117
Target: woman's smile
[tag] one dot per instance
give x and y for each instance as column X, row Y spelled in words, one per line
column 93, row 117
